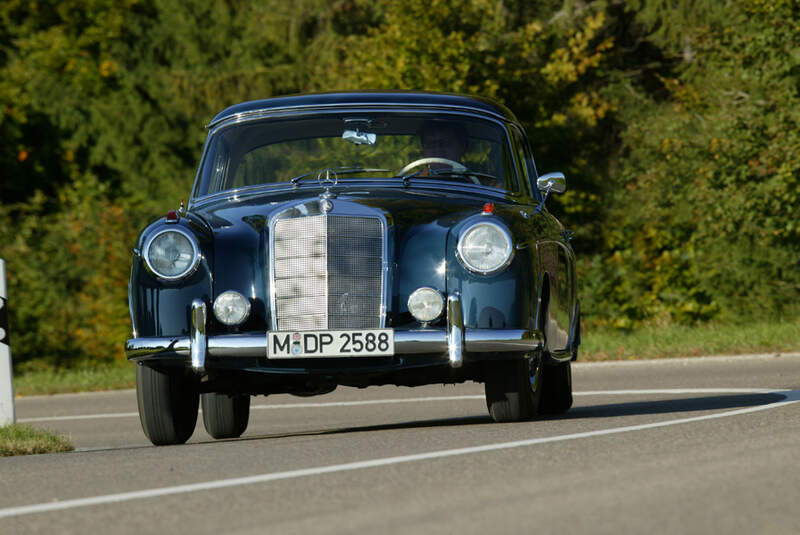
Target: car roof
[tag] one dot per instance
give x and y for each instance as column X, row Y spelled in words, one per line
column 369, row 99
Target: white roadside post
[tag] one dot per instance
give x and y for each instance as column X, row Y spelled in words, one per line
column 6, row 373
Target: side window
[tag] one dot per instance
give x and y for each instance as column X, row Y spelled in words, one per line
column 215, row 174
column 522, row 157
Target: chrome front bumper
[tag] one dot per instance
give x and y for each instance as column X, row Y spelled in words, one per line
column 453, row 341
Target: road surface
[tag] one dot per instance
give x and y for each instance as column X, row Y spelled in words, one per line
column 673, row 446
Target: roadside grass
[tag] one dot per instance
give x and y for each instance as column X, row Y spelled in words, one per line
column 59, row 381
column 16, row 439
column 682, row 341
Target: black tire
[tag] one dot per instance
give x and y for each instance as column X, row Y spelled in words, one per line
column 225, row 416
column 168, row 403
column 556, row 389
column 513, row 389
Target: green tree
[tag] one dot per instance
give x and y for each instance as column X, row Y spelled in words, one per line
column 103, row 107
column 675, row 121
column 546, row 61
column 704, row 218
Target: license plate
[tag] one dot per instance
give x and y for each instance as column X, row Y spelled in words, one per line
column 319, row 344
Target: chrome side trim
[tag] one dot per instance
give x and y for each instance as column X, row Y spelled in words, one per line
column 199, row 343
column 455, row 331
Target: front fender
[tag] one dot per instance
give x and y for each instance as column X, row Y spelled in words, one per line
column 159, row 307
column 504, row 300
column 420, row 262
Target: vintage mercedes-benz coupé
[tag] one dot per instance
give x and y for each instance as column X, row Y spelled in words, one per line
column 354, row 239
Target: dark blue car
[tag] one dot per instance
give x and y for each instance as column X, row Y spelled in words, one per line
column 354, row 239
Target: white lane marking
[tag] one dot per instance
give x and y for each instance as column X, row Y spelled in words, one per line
column 77, row 417
column 669, row 391
column 706, row 359
column 791, row 396
column 262, row 407
column 364, row 402
column 682, row 391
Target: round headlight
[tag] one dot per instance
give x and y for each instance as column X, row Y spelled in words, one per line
column 231, row 307
column 485, row 248
column 425, row 304
column 172, row 254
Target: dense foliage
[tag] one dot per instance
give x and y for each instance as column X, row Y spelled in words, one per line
column 676, row 122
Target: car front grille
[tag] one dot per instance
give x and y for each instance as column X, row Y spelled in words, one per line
column 327, row 272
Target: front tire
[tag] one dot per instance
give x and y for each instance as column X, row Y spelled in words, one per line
column 513, row 389
column 168, row 403
column 225, row 416
column 556, row 389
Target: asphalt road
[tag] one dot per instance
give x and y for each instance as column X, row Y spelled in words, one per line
column 681, row 446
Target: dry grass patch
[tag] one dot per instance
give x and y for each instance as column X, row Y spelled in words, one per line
column 16, row 439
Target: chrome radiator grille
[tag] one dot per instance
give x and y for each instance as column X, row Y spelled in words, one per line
column 327, row 272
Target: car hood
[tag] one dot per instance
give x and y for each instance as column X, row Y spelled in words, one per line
column 419, row 222
column 405, row 209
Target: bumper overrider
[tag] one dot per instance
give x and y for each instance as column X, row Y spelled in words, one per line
column 453, row 342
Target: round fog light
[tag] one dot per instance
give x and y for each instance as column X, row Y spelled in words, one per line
column 231, row 307
column 425, row 304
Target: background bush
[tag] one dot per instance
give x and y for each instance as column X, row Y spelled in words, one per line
column 676, row 122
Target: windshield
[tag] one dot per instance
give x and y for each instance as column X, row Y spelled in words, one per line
column 384, row 146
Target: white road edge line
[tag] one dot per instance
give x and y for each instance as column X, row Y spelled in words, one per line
column 262, row 407
column 791, row 396
column 675, row 391
column 76, row 417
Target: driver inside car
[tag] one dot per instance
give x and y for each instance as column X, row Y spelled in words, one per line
column 444, row 145
column 443, row 140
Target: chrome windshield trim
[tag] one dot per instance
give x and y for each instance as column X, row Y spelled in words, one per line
column 280, row 111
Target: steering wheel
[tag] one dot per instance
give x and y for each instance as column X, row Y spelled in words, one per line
column 455, row 166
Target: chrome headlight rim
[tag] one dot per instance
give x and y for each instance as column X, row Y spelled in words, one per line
column 426, row 289
column 247, row 307
column 188, row 271
column 466, row 232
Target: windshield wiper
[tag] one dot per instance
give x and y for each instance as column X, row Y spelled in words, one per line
column 468, row 172
column 433, row 172
column 338, row 171
column 409, row 176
